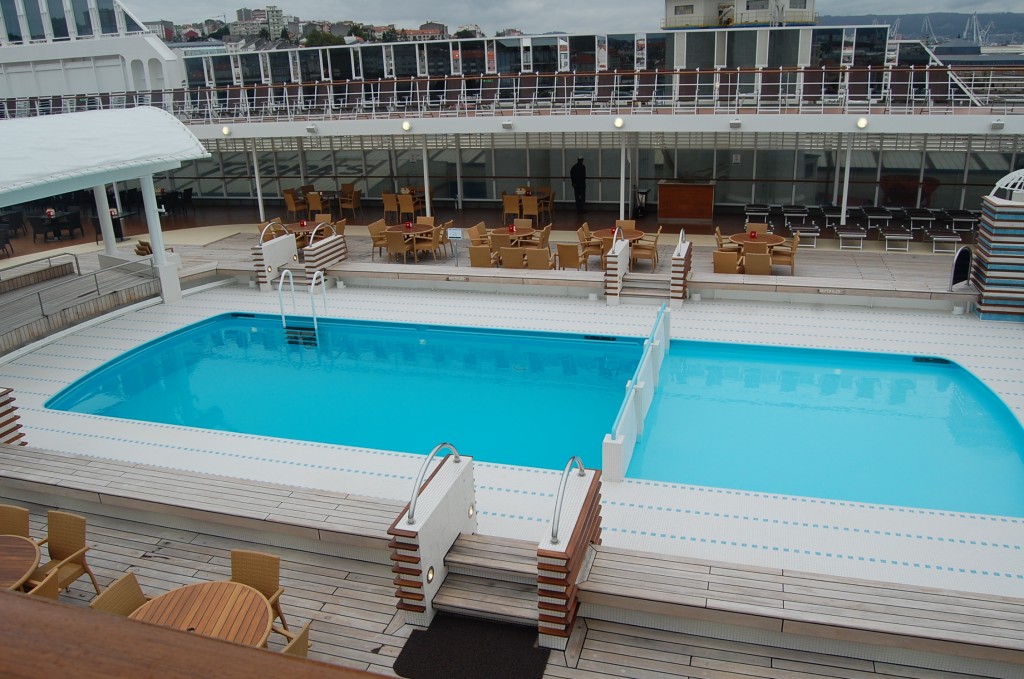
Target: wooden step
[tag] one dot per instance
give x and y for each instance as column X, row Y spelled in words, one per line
column 478, row 597
column 494, row 557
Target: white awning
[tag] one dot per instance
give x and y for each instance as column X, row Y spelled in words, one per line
column 49, row 155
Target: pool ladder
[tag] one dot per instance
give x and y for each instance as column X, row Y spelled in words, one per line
column 301, row 335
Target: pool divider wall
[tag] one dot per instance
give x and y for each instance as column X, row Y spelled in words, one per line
column 617, row 447
column 446, row 508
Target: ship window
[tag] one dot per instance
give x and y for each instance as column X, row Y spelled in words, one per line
column 83, row 22
column 10, row 11
column 684, row 9
column 108, row 21
column 57, row 19
column 757, row 4
column 798, row 4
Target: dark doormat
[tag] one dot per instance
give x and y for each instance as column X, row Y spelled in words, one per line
column 454, row 647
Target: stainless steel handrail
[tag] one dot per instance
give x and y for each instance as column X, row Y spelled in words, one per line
column 561, row 494
column 270, row 224
column 312, row 296
column 410, row 516
column 287, row 273
column 50, row 258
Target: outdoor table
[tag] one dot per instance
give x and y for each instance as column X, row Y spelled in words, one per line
column 769, row 238
column 223, row 610
column 19, row 557
column 630, row 235
column 517, row 234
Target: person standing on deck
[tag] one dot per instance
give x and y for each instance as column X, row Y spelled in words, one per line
column 578, row 178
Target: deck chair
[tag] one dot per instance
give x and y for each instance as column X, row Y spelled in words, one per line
column 757, row 263
column 397, row 244
column 509, row 208
column 390, row 201
column 48, row 588
column 752, row 248
column 646, row 248
column 377, row 237
column 122, row 597
column 65, row 542
column 299, row 645
column 786, row 253
column 724, row 246
column 513, row 258
column 315, row 205
column 727, row 261
column 569, row 255
column 539, row 258
column 293, row 205
column 13, row 520
column 262, row 572
column 480, row 255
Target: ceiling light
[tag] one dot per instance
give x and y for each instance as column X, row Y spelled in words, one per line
column 406, row 125
column 618, row 122
column 862, row 123
column 226, row 131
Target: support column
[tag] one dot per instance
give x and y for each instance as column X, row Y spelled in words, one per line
column 170, row 283
column 99, row 194
column 259, row 182
column 846, row 180
column 458, row 173
column 426, row 180
column 622, row 175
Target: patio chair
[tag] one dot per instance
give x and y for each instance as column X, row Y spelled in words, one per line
column 397, row 244
column 625, row 224
column 122, row 597
column 499, row 241
column 569, row 255
column 73, row 222
column 786, row 253
column 540, row 239
column 315, row 205
column 727, row 261
column 646, row 248
column 299, row 645
column 339, row 226
column 352, row 202
column 49, row 587
column 65, row 542
column 531, row 209
column 186, row 200
column 430, row 242
column 377, row 237
column 724, row 246
column 390, row 206
column 407, row 205
column 478, row 234
column 760, row 228
column 589, row 246
column 591, row 239
column 539, row 258
column 509, row 208
column 480, row 255
column 293, row 204
column 13, row 520
column 306, row 189
column 262, row 572
column 751, row 248
column 425, row 220
column 513, row 258
column 446, row 243
column 757, row 263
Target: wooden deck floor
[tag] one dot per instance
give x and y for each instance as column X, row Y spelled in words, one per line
column 355, row 622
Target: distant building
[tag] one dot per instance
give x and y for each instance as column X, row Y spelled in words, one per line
column 162, row 28
column 275, row 20
column 434, row 26
column 505, row 32
column 248, row 27
column 474, row 30
column 244, row 14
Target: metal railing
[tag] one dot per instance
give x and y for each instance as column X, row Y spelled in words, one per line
column 560, row 495
column 417, row 487
column 640, row 367
column 16, row 270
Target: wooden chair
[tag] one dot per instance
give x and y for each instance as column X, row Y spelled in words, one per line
column 539, row 258
column 724, row 246
column 727, row 261
column 498, row 242
column 480, row 255
column 513, row 258
column 589, row 247
column 591, row 239
column 569, row 255
column 378, row 239
column 315, row 204
column 531, row 209
column 428, row 243
column 390, row 206
column 758, row 248
column 299, row 645
column 425, row 220
column 509, row 208
column 293, row 204
column 625, row 224
column 758, row 263
column 262, row 572
column 407, row 206
column 353, row 203
column 646, row 248
column 13, row 520
column 49, row 587
column 398, row 244
column 759, row 228
column 786, row 253
column 65, row 542
column 122, row 597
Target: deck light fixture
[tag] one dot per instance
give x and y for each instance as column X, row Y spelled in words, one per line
column 506, row 124
column 226, row 131
column 618, row 122
column 311, row 128
column 430, row 575
column 735, row 123
column 862, row 122
column 406, row 125
column 998, row 124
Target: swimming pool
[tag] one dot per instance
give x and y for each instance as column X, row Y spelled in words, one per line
column 874, row 428
column 830, row 424
column 525, row 398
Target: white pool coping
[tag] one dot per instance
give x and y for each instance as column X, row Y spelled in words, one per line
column 923, row 547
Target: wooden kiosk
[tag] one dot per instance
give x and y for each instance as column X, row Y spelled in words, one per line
column 686, row 200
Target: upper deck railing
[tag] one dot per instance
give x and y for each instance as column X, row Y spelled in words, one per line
column 890, row 89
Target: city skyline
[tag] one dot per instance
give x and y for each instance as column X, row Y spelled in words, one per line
column 529, row 16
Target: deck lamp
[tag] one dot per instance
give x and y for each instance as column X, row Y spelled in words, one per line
column 618, row 122
column 406, row 125
column 862, row 122
column 226, row 131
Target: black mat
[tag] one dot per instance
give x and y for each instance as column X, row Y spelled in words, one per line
column 453, row 648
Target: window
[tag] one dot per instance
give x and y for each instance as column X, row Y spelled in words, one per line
column 757, row 4
column 684, row 9
column 798, row 4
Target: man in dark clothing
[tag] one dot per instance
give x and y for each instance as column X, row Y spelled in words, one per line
column 578, row 177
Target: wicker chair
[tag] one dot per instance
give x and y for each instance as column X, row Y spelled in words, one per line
column 722, row 245
column 378, row 240
column 569, row 255
column 299, row 645
column 481, row 255
column 293, row 204
column 262, row 572
column 122, row 597
column 727, row 261
column 759, row 263
column 428, row 242
column 590, row 246
column 513, row 257
column 314, row 205
column 352, row 203
column 539, row 258
column 13, row 520
column 646, row 248
column 510, row 208
column 49, row 587
column 398, row 243
column 786, row 253
column 390, row 206
column 65, row 542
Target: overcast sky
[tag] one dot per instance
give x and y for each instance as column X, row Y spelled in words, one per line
column 530, row 16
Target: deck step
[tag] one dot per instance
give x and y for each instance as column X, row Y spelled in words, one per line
column 479, row 597
column 493, row 557
column 645, row 285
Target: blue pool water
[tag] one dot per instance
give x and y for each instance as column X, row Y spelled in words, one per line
column 532, row 399
column 850, row 426
column 853, row 426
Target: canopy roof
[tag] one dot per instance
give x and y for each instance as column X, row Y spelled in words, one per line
column 49, row 155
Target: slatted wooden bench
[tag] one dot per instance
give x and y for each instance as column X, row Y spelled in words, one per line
column 659, row 590
column 348, row 521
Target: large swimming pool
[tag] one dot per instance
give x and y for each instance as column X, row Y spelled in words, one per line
column 861, row 427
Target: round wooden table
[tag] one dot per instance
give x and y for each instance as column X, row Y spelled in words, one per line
column 626, row 234
column 19, row 557
column 413, row 230
column 770, row 239
column 520, row 233
column 223, row 610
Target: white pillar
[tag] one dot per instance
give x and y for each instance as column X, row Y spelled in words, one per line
column 846, row 180
column 426, row 180
column 259, row 183
column 458, row 175
column 170, row 283
column 99, row 194
column 622, row 175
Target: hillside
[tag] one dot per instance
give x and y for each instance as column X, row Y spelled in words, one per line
column 1006, row 27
